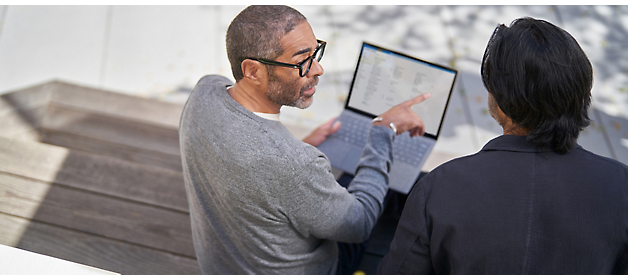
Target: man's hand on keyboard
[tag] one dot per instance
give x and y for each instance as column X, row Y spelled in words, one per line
column 320, row 133
column 403, row 118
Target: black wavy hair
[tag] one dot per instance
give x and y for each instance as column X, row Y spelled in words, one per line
column 541, row 79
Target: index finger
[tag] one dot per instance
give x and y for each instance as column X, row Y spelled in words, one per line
column 417, row 100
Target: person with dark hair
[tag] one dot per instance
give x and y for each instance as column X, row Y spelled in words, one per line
column 262, row 201
column 532, row 201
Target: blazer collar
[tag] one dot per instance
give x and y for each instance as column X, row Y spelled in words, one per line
column 514, row 143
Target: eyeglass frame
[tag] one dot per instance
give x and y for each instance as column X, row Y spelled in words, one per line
column 321, row 48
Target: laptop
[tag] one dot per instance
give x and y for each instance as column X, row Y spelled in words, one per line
column 382, row 79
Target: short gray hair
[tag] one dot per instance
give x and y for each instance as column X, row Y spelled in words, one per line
column 256, row 32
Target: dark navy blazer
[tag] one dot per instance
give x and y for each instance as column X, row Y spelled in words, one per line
column 513, row 208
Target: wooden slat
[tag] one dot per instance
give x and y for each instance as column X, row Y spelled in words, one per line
column 21, row 111
column 31, row 159
column 116, row 104
column 134, row 134
column 92, row 250
column 32, row 97
column 20, row 121
column 116, row 218
column 29, row 135
column 106, row 148
column 48, row 163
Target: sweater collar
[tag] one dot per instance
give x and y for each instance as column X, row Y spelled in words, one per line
column 272, row 117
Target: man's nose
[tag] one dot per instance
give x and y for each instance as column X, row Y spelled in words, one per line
column 317, row 69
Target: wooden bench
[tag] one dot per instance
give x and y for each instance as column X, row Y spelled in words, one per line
column 94, row 177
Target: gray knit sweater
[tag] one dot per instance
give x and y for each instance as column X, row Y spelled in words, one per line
column 264, row 202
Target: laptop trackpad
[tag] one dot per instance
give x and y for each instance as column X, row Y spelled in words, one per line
column 350, row 162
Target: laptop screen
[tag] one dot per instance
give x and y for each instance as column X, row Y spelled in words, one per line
column 385, row 78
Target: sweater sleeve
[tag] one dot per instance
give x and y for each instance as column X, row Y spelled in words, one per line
column 324, row 209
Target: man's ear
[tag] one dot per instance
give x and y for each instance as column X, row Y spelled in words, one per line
column 254, row 71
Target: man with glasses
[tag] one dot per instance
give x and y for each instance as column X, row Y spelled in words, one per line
column 262, row 201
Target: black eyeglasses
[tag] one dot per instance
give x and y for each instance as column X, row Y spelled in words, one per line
column 305, row 65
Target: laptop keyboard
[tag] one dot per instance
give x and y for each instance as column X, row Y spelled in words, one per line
column 414, row 149
column 355, row 131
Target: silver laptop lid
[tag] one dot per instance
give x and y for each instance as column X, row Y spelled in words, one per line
column 384, row 78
